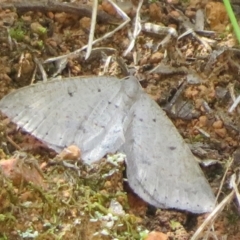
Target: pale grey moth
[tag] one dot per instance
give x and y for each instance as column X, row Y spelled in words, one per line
column 103, row 115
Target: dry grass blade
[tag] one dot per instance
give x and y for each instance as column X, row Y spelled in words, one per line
column 235, row 104
column 218, row 209
column 223, row 179
column 41, row 68
column 137, row 29
column 234, row 183
column 92, row 30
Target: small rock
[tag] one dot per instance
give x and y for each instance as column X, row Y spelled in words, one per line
column 107, row 184
column 108, row 7
column 156, row 57
column 156, row 236
column 203, row 121
column 217, row 124
column 155, row 11
column 190, row 14
column 38, row 28
column 221, row 132
column 70, row 153
column 191, row 92
column 50, row 15
column 85, row 22
column 216, row 16
column 60, row 17
column 20, row 171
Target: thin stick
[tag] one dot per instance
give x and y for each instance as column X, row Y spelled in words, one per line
column 55, row 6
column 107, row 35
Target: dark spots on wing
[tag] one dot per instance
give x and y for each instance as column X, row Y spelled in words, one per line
column 139, row 118
column 132, row 141
column 172, row 148
column 83, row 130
column 154, row 120
column 146, row 162
column 109, row 102
column 116, row 106
column 46, row 133
column 70, row 94
column 71, row 91
column 99, row 90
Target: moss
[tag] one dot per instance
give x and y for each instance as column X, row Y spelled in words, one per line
column 17, row 32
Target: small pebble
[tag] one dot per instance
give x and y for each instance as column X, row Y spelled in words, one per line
column 70, row 153
column 221, row 132
column 156, row 236
column 38, row 28
column 217, row 124
column 156, row 57
column 60, row 17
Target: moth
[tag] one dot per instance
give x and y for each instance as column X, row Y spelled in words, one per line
column 104, row 115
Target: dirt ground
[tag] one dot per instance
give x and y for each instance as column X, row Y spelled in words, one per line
column 195, row 78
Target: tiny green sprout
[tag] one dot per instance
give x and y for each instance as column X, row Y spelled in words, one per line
column 228, row 28
column 174, row 225
column 17, row 33
column 143, row 234
column 2, row 217
column 38, row 29
column 43, row 30
column 7, row 217
column 40, row 43
column 3, row 237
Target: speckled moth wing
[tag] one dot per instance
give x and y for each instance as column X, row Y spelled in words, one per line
column 87, row 112
column 103, row 115
column 160, row 167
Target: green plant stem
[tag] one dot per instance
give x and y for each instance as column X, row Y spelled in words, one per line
column 232, row 18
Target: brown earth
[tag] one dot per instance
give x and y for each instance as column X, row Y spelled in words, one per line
column 43, row 199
